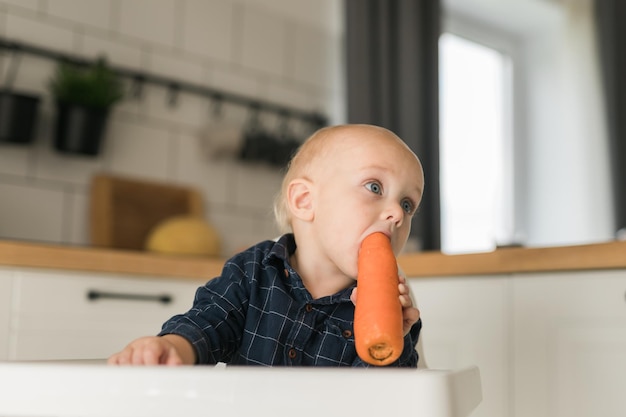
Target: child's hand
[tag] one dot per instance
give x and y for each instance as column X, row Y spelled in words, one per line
column 410, row 314
column 153, row 350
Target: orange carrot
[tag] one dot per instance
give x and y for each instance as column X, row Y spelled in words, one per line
column 378, row 313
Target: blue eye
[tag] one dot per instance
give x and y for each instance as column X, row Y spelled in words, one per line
column 374, row 187
column 407, row 206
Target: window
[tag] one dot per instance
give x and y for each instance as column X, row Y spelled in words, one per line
column 475, row 145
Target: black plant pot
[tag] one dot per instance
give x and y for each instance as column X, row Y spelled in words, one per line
column 80, row 129
column 18, row 117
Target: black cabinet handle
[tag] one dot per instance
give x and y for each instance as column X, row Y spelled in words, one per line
column 93, row 295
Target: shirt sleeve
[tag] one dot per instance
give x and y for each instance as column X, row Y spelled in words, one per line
column 214, row 324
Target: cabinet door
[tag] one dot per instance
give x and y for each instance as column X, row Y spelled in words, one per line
column 570, row 344
column 55, row 318
column 464, row 324
column 6, row 285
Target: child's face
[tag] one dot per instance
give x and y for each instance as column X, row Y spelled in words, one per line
column 370, row 183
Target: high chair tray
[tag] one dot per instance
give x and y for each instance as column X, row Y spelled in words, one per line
column 44, row 389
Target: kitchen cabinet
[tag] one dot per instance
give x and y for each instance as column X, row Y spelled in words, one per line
column 569, row 339
column 547, row 344
column 6, row 285
column 466, row 322
column 69, row 315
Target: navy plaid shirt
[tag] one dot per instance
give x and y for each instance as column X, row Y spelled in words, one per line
column 258, row 312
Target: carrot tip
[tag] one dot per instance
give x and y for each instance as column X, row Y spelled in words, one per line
column 380, row 351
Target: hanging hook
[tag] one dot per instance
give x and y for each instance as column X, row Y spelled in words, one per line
column 137, row 88
column 217, row 105
column 11, row 73
column 318, row 121
column 283, row 128
column 174, row 89
column 253, row 118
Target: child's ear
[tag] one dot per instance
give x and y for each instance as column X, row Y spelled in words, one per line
column 300, row 199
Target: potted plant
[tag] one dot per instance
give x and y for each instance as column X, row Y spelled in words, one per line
column 84, row 96
column 18, row 116
column 18, row 111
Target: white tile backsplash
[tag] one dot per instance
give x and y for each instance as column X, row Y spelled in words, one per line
column 22, row 4
column 264, row 42
column 208, row 29
column 77, row 218
column 265, row 224
column 215, row 178
column 237, row 229
column 174, row 66
column 150, row 20
column 94, row 13
column 256, row 185
column 324, row 14
column 57, row 166
column 237, row 81
column 53, row 165
column 39, row 32
column 123, row 54
column 282, row 92
column 33, row 75
column 276, row 50
column 14, row 159
column 188, row 110
column 314, row 56
column 31, row 213
column 2, row 24
column 138, row 150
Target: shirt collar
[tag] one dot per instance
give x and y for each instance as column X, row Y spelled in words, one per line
column 282, row 250
column 284, row 247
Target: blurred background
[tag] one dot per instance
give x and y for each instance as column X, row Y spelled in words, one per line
column 522, row 152
column 281, row 51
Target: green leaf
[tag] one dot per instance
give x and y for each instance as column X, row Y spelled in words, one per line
column 94, row 86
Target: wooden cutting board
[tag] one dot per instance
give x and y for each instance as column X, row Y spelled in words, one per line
column 123, row 211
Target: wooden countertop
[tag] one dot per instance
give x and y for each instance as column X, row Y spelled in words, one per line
column 37, row 255
column 609, row 255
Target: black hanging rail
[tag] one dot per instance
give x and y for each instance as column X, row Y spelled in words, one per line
column 175, row 86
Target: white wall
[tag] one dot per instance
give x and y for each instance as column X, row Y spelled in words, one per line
column 284, row 51
column 566, row 166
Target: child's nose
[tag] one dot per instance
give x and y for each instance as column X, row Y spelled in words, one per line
column 395, row 214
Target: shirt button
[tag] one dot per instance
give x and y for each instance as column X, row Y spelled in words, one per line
column 347, row 333
column 292, row 353
column 308, row 308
